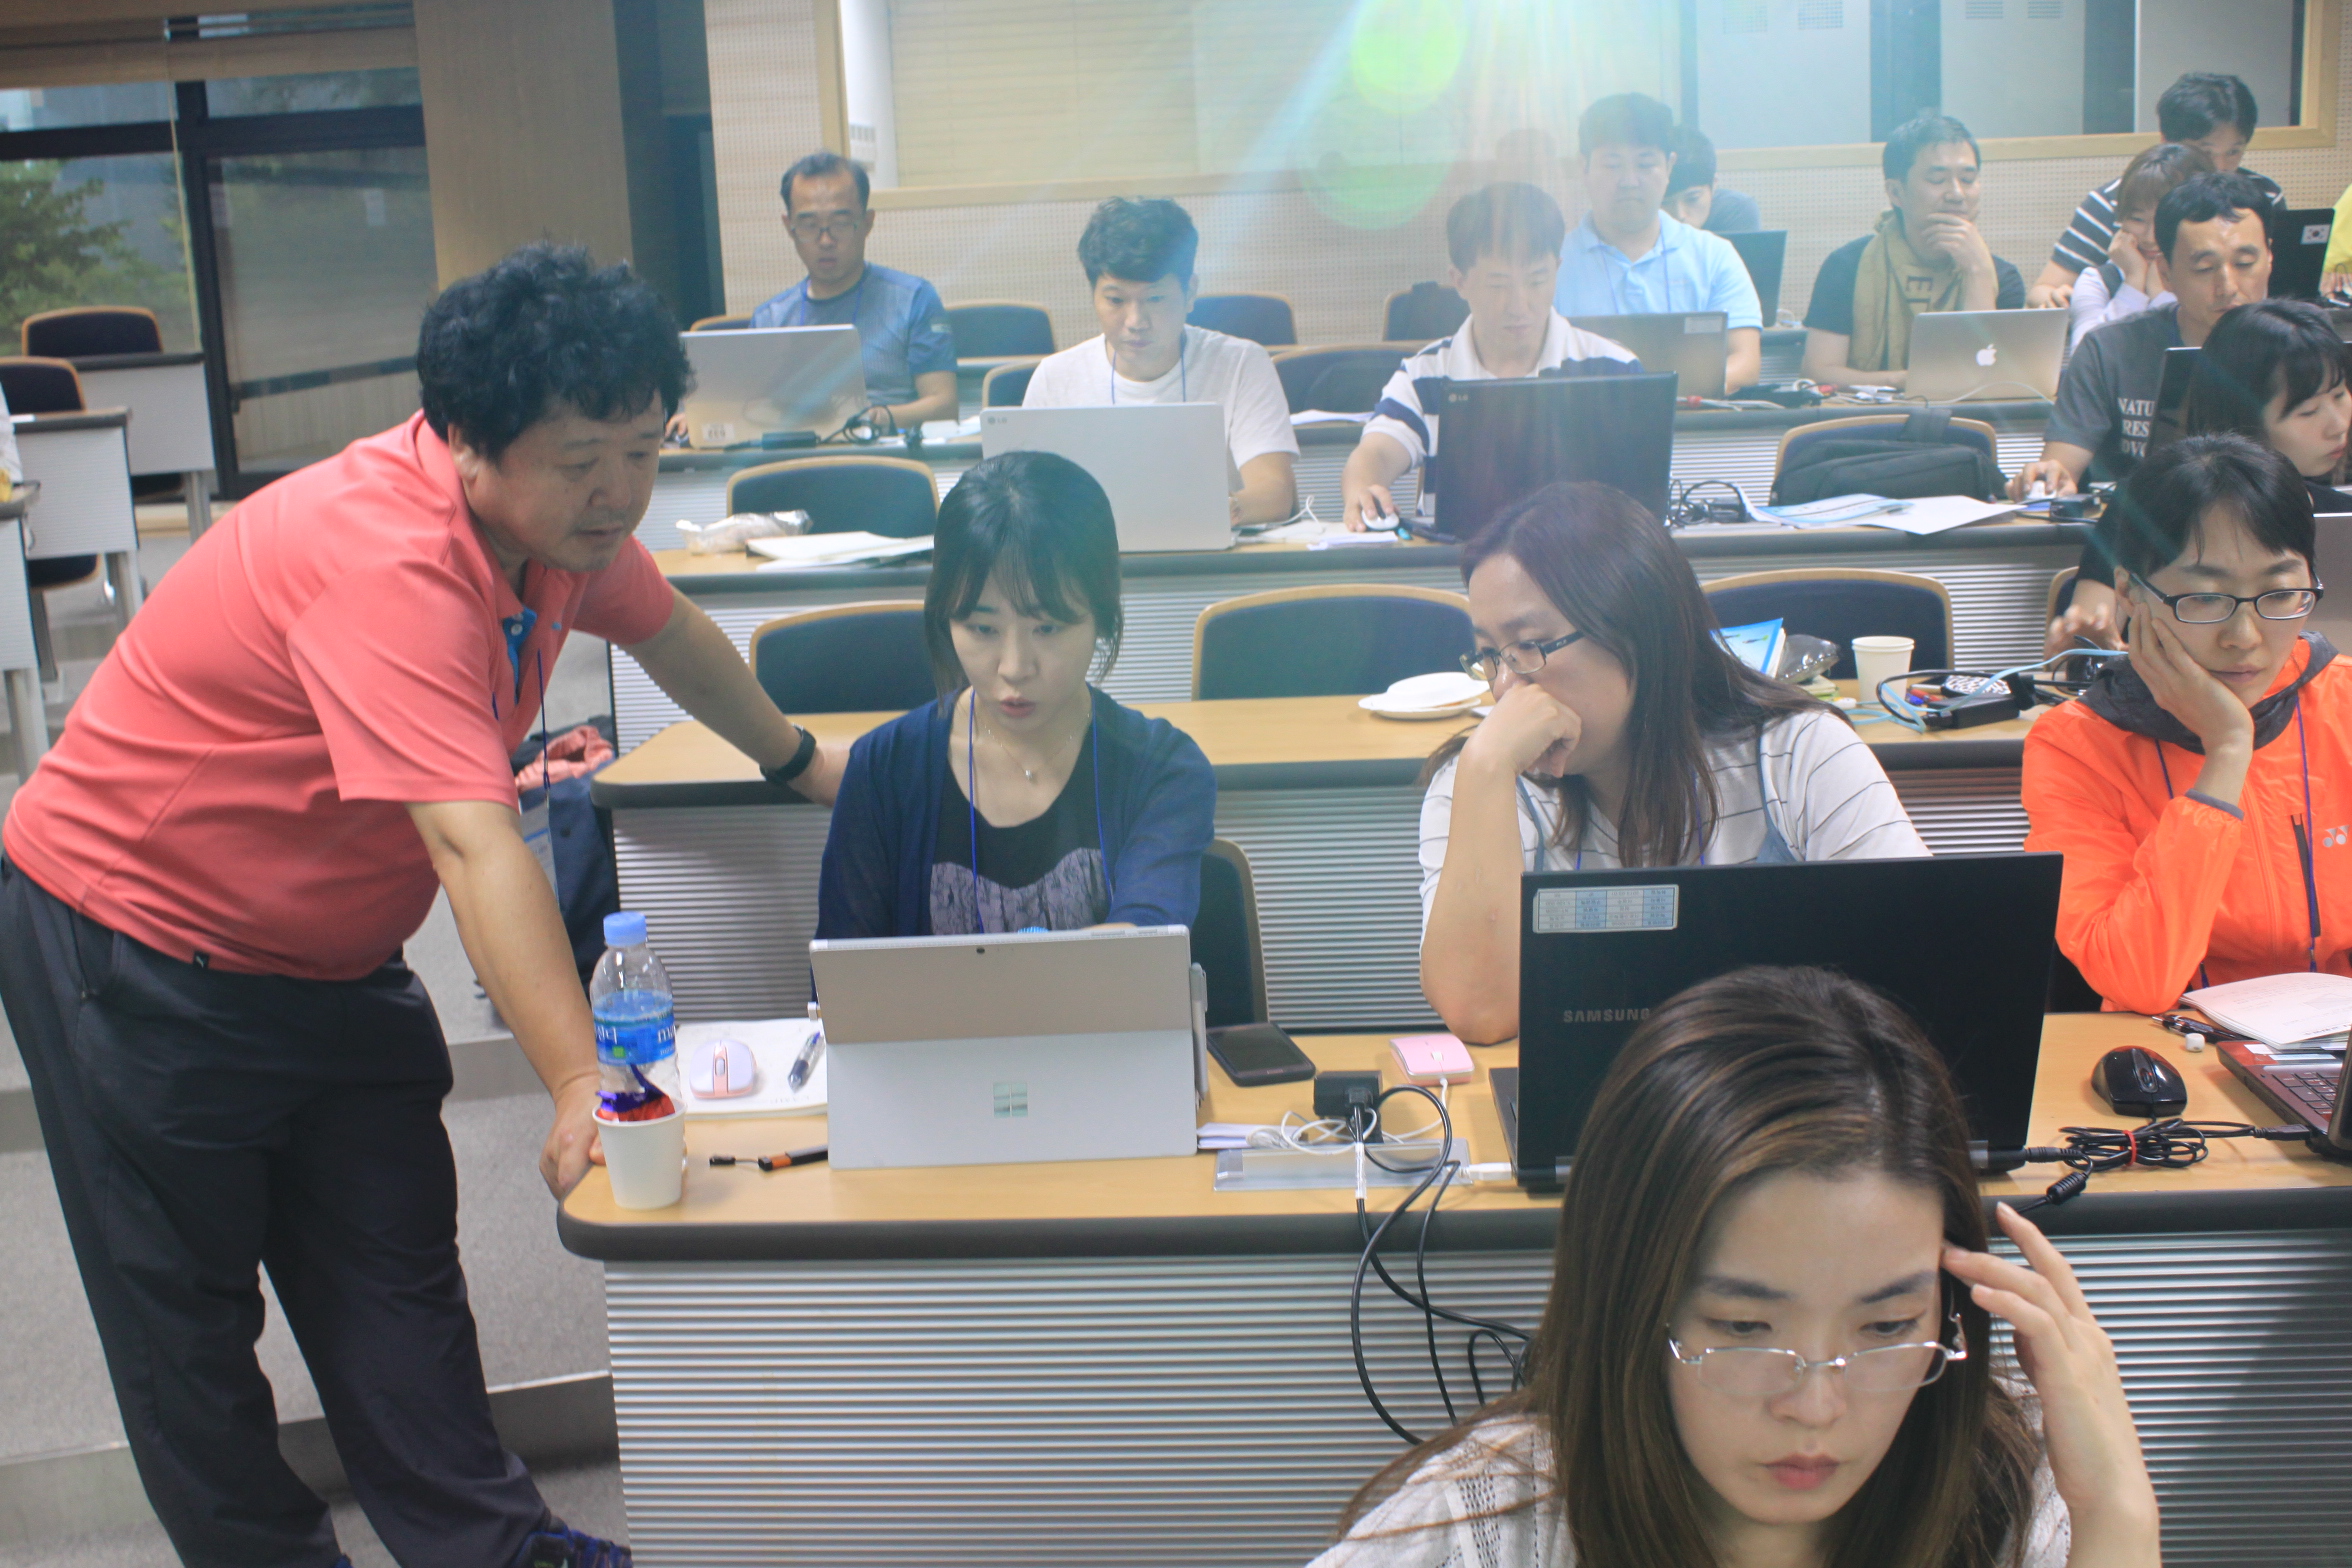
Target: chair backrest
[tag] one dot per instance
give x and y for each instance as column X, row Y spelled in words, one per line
column 1225, row 937
column 1262, row 318
column 843, row 494
column 1000, row 329
column 1005, row 385
column 1965, row 432
column 40, row 386
column 90, row 331
column 846, row 658
column 2061, row 594
column 1423, row 313
column 721, row 324
column 1843, row 603
column 1346, row 639
column 1344, row 378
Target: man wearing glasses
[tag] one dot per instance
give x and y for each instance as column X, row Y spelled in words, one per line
column 902, row 328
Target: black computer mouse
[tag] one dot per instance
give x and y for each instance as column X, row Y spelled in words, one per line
column 2135, row 1081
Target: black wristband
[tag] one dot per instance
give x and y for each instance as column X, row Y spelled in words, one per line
column 782, row 777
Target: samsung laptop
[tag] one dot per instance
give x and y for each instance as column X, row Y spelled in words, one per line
column 1691, row 344
column 988, row 1050
column 1961, row 356
column 764, row 381
column 1964, row 942
column 2298, row 250
column 1163, row 465
column 1501, row 441
column 1763, row 251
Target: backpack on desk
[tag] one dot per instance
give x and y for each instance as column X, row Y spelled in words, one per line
column 1921, row 457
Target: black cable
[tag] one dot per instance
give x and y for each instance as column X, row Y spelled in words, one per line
column 2166, row 1144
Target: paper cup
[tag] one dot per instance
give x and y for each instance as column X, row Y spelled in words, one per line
column 1876, row 659
column 646, row 1160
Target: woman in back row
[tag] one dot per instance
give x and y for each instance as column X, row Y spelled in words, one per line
column 1623, row 734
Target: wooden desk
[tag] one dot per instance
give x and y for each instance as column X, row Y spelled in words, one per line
column 891, row 1366
column 1321, row 795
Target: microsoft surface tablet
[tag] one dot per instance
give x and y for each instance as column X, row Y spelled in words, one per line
column 1962, row 941
column 1960, row 356
column 755, row 381
column 1162, row 464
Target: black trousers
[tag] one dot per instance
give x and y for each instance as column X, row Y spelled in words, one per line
column 201, row 1125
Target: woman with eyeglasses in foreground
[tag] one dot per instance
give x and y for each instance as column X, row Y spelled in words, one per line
column 1768, row 1340
column 1623, row 734
column 2197, row 788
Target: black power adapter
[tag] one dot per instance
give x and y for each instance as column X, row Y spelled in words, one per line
column 1352, row 1100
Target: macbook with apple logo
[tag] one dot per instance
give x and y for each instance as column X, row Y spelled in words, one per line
column 1965, row 356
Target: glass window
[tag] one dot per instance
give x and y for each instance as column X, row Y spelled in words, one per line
column 326, row 264
column 96, row 231
column 387, row 88
column 56, row 108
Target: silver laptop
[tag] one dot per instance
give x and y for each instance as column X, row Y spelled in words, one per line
column 1163, row 465
column 1693, row 344
column 988, row 1050
column 1960, row 356
column 2331, row 568
column 769, row 380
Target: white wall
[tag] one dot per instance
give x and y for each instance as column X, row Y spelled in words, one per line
column 868, row 100
column 2015, row 68
column 1784, row 73
column 2253, row 40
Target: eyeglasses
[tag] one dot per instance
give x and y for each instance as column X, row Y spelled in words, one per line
column 1768, row 1374
column 2205, row 609
column 1521, row 658
column 841, row 225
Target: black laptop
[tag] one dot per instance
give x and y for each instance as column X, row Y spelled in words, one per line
column 2298, row 250
column 1502, row 441
column 1962, row 941
column 1763, row 251
column 2170, row 421
column 2303, row 1088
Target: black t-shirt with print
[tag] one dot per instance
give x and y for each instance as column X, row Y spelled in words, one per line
column 1045, row 872
column 2107, row 395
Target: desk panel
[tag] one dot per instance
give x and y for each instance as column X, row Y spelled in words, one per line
column 171, row 414
column 1058, row 1364
column 85, row 474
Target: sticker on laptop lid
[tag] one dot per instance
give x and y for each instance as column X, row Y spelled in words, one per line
column 1697, row 326
column 1561, row 909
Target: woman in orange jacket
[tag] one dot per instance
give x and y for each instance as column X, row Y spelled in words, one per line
column 2201, row 790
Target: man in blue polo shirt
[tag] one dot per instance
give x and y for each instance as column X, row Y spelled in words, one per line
column 1628, row 258
column 902, row 328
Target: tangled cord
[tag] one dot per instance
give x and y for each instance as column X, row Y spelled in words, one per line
column 2169, row 1144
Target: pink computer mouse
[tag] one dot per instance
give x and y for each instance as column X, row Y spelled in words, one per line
column 721, row 1070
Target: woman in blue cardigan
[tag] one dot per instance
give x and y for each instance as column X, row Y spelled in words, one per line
column 1023, row 798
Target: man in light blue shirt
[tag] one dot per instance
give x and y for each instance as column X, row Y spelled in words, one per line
column 1628, row 258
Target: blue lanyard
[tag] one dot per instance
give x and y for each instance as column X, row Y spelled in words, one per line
column 517, row 628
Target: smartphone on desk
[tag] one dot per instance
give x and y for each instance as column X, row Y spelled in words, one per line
column 1254, row 1054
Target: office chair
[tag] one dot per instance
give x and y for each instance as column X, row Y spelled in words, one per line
column 89, row 331
column 2061, row 595
column 846, row 658
column 721, row 324
column 1225, row 939
column 34, row 385
column 844, row 493
column 999, row 329
column 1344, row 378
column 1005, row 385
column 1262, row 318
column 1347, row 639
column 1422, row 314
column 1842, row 603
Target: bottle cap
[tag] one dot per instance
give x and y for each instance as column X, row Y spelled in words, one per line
column 624, row 928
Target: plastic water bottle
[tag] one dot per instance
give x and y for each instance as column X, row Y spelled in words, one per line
column 636, row 1024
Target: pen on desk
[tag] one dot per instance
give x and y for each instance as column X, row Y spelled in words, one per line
column 813, row 1155
column 806, row 1062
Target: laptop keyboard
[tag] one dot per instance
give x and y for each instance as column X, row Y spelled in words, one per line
column 2314, row 1092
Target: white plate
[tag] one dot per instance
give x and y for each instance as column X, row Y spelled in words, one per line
column 1382, row 706
column 1439, row 689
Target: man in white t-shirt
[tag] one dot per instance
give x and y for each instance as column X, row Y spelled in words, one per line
column 1504, row 242
column 1138, row 257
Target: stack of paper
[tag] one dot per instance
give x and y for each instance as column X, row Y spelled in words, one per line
column 804, row 550
column 2279, row 1010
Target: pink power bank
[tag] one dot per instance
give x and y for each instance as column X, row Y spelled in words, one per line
column 1432, row 1058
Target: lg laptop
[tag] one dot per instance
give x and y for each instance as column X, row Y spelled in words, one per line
column 1763, row 251
column 2298, row 250
column 1164, row 465
column 764, row 381
column 1690, row 343
column 2301, row 1088
column 1960, row 356
column 1505, row 440
column 2170, row 420
column 1963, row 942
column 989, row 1050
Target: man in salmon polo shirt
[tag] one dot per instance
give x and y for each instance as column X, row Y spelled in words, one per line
column 302, row 735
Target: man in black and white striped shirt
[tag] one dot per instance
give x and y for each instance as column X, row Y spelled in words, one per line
column 2204, row 109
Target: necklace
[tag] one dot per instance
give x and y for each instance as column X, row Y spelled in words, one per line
column 1005, row 746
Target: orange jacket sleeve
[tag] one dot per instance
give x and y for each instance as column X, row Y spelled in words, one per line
column 2136, row 908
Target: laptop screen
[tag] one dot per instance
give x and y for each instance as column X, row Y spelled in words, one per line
column 1504, row 440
